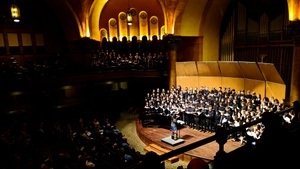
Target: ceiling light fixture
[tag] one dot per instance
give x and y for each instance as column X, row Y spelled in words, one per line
column 129, row 15
column 15, row 12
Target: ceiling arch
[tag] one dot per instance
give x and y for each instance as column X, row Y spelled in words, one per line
column 83, row 18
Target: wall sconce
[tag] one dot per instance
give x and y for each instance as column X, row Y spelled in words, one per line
column 129, row 17
column 15, row 12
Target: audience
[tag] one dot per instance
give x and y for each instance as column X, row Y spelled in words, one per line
column 65, row 143
column 197, row 163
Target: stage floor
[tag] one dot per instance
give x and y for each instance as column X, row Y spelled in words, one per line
column 157, row 135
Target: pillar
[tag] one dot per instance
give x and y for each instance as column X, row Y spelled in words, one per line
column 172, row 68
column 295, row 79
column 172, row 43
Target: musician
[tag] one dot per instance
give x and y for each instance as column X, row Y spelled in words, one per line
column 190, row 115
column 174, row 130
column 174, row 109
column 216, row 120
column 164, row 109
column 147, row 111
column 209, row 119
column 203, row 118
column 227, row 120
column 156, row 108
column 147, row 108
column 161, row 108
column 185, row 93
column 197, row 118
column 235, row 105
column 223, row 120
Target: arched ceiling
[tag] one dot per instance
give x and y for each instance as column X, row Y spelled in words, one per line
column 80, row 18
column 198, row 18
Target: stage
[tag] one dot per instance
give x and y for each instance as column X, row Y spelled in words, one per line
column 162, row 137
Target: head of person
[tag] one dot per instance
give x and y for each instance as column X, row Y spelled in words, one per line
column 197, row 163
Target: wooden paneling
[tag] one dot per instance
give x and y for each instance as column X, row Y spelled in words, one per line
column 2, row 43
column 13, row 39
column 186, row 69
column 251, row 70
column 187, row 81
column 208, row 69
column 262, row 78
column 270, row 73
column 275, row 90
column 210, row 81
column 230, row 69
column 257, row 86
column 233, row 83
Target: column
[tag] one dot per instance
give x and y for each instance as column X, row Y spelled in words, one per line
column 172, row 44
column 295, row 79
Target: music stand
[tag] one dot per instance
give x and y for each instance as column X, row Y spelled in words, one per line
column 181, row 123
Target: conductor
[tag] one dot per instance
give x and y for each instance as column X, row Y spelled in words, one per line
column 174, row 129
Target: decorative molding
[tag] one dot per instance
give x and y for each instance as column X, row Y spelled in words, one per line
column 122, row 16
column 133, row 11
column 113, row 22
column 153, row 20
column 103, row 32
column 143, row 15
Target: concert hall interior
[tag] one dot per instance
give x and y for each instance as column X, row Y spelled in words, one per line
column 200, row 83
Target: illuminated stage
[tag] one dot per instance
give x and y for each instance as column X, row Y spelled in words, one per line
column 162, row 138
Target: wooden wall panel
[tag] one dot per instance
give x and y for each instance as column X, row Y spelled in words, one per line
column 186, row 69
column 210, row 81
column 208, row 68
column 233, row 83
column 2, row 43
column 26, row 39
column 276, row 90
column 39, row 38
column 250, row 70
column 236, row 75
column 270, row 73
column 230, row 69
column 187, row 81
column 256, row 86
column 13, row 39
